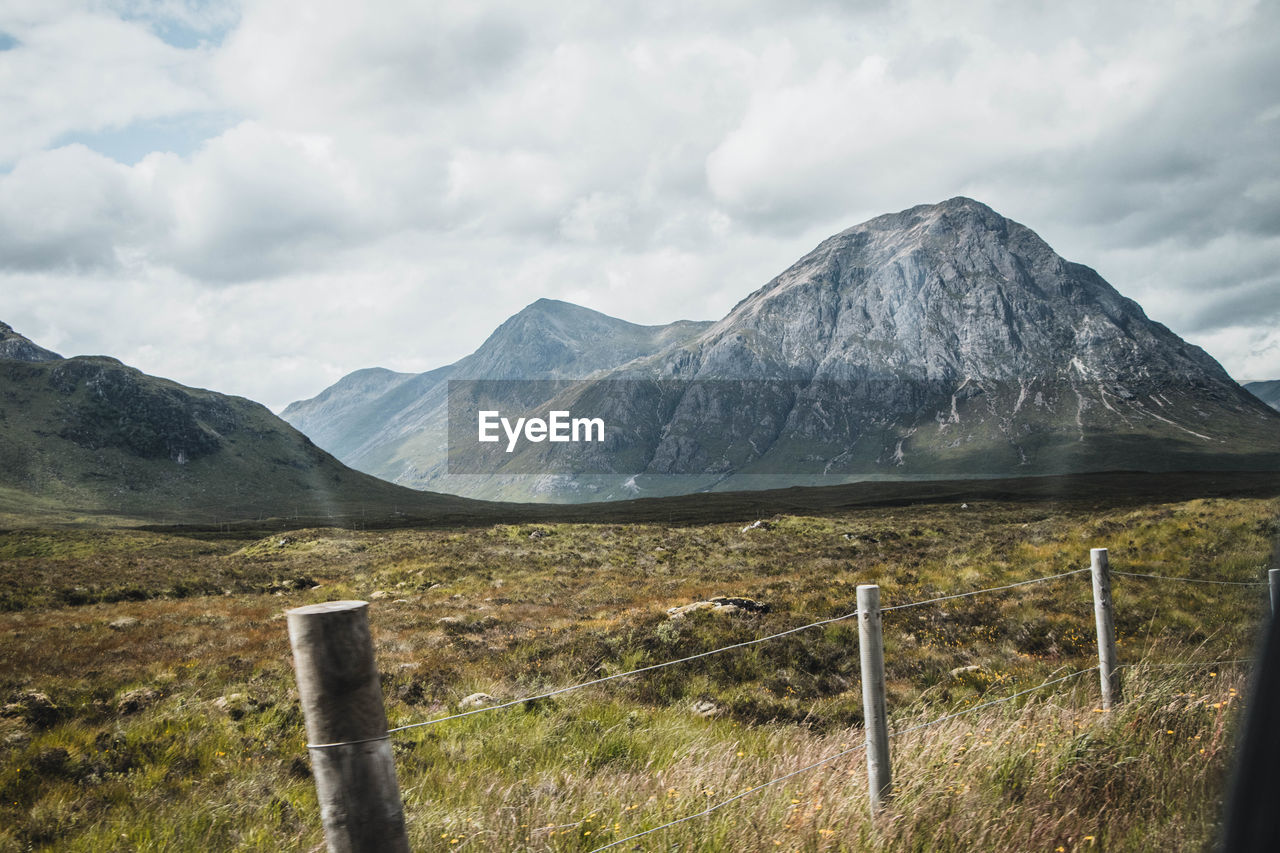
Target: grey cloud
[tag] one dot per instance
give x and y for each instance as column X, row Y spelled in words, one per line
column 943, row 56
column 445, row 63
column 1184, row 165
column 643, row 157
column 1255, row 301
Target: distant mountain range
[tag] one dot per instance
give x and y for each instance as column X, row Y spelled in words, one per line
column 941, row 341
column 1267, row 391
column 394, row 425
column 92, row 436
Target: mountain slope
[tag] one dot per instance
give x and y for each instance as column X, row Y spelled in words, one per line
column 92, row 435
column 333, row 418
column 18, row 348
column 944, row 340
column 394, row 425
column 943, row 291
column 1268, row 391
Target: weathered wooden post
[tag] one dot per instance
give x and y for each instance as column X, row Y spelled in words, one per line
column 1274, row 577
column 1103, row 614
column 347, row 728
column 871, row 653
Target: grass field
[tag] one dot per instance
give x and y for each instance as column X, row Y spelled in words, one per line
column 149, row 698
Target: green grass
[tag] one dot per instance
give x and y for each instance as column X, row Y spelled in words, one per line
column 181, row 731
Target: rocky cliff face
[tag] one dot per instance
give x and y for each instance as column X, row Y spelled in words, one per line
column 944, row 292
column 944, row 340
column 18, row 348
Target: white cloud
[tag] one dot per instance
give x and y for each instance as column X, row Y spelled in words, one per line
column 75, row 69
column 387, row 184
column 876, row 127
column 70, row 209
column 1253, row 352
column 255, row 203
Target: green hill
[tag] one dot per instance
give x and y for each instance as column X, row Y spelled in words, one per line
column 90, row 436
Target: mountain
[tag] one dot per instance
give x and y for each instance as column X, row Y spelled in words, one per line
column 18, row 348
column 1268, row 391
column 393, row 425
column 91, row 436
column 940, row 341
column 340, row 417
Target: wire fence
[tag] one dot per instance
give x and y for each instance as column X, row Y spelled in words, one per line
column 1105, row 668
column 1147, row 665
column 618, row 675
column 946, row 717
column 1188, row 580
column 851, row 614
column 981, row 591
column 664, row 664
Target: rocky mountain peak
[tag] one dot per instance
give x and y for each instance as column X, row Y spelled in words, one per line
column 20, row 348
column 940, row 340
column 949, row 291
column 554, row 339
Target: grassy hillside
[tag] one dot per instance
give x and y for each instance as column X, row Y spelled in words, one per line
column 88, row 437
column 150, row 700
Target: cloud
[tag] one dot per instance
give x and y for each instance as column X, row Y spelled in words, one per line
column 1252, row 351
column 72, row 69
column 897, row 121
column 68, row 209
column 250, row 204
column 256, row 203
column 397, row 181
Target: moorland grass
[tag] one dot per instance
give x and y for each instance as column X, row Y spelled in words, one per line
column 181, row 730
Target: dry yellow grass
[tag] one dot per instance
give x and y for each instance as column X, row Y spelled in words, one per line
column 210, row 754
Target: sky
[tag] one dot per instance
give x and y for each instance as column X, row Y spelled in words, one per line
column 259, row 197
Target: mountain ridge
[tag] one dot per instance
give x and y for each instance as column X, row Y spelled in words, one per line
column 911, row 232
column 20, row 348
column 91, row 436
column 546, row 340
column 942, row 340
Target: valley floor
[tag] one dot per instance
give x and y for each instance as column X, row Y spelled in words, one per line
column 150, row 703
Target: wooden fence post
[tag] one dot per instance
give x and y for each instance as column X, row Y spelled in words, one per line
column 347, row 728
column 871, row 653
column 1103, row 614
column 1273, row 575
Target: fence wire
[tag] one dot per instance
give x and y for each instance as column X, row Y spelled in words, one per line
column 557, row 692
column 1180, row 665
column 735, row 797
column 981, row 591
column 826, row 760
column 656, row 666
column 1188, row 580
column 643, row 669
column 1009, row 698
